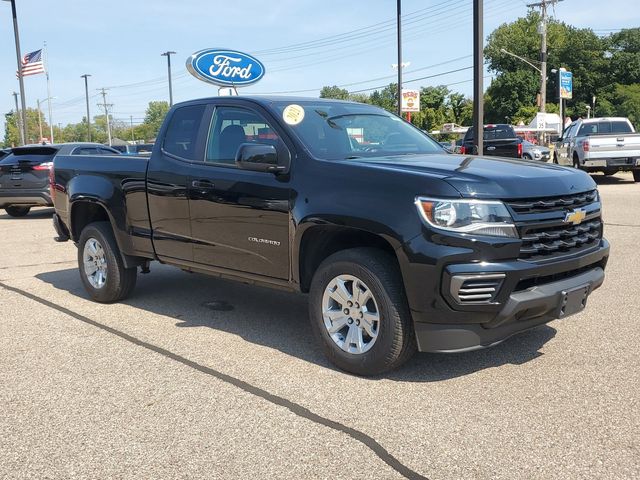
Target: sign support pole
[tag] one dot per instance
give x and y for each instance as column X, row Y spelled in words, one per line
column 478, row 71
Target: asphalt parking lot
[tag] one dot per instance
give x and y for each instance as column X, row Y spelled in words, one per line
column 195, row 377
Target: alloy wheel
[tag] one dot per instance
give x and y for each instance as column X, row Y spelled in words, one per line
column 351, row 315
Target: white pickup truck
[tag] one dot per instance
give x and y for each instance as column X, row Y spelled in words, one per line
column 607, row 145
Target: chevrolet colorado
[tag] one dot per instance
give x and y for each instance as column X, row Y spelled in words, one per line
column 400, row 245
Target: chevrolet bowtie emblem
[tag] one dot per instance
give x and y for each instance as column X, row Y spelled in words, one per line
column 576, row 217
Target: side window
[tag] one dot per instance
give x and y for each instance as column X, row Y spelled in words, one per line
column 233, row 126
column 85, row 151
column 105, row 151
column 182, row 132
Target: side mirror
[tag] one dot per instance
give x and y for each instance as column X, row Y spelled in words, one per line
column 259, row 157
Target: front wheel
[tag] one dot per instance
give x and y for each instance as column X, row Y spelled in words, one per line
column 102, row 270
column 636, row 176
column 359, row 312
column 15, row 211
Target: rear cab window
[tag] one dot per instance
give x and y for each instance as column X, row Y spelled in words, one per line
column 181, row 135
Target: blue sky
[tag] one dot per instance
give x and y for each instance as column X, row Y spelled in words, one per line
column 119, row 43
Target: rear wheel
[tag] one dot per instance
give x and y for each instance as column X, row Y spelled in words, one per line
column 17, row 211
column 359, row 312
column 576, row 162
column 636, row 176
column 102, row 270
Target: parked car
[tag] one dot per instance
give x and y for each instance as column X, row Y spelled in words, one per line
column 499, row 140
column 607, row 145
column 24, row 174
column 532, row 151
column 399, row 244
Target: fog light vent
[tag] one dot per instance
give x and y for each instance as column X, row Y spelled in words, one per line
column 476, row 288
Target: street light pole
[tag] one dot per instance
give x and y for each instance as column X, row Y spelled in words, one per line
column 86, row 94
column 478, row 72
column 18, row 118
column 39, row 120
column 168, row 55
column 399, row 28
column 20, row 78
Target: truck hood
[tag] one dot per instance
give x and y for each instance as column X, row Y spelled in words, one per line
column 490, row 177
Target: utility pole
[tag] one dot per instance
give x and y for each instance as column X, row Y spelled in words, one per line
column 478, row 72
column 18, row 118
column 399, row 28
column 39, row 120
column 23, row 101
column 542, row 30
column 168, row 55
column 106, row 107
column 86, row 94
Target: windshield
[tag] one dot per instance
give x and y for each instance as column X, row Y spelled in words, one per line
column 339, row 131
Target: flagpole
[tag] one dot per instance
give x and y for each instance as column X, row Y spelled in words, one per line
column 46, row 72
column 23, row 101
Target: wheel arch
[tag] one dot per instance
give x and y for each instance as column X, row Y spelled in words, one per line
column 318, row 242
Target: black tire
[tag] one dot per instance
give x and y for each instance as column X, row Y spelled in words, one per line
column 120, row 281
column 15, row 211
column 576, row 162
column 636, row 176
column 526, row 156
column 395, row 342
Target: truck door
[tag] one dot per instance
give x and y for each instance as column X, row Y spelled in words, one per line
column 240, row 218
column 167, row 180
column 564, row 151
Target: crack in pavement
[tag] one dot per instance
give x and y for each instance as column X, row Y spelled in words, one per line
column 295, row 408
column 607, row 224
column 37, row 264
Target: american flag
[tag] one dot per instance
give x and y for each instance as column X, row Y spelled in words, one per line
column 32, row 63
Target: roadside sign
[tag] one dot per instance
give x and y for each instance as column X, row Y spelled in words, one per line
column 410, row 100
column 225, row 68
column 566, row 84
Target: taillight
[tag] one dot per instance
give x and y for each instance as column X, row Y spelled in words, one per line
column 519, row 150
column 463, row 150
column 43, row 166
column 585, row 145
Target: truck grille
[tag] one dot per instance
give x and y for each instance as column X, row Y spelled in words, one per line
column 539, row 205
column 546, row 234
column 540, row 243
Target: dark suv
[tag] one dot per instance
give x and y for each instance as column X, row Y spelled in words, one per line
column 24, row 174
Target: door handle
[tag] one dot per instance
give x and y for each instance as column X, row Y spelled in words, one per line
column 491, row 148
column 202, row 184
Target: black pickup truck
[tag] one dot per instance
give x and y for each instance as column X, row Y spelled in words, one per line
column 500, row 140
column 399, row 244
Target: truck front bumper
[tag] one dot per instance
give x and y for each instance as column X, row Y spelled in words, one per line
column 446, row 316
column 522, row 311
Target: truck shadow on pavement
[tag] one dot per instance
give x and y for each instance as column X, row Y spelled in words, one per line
column 279, row 320
column 32, row 215
column 612, row 180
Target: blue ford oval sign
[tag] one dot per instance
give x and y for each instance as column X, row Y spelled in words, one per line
column 225, row 67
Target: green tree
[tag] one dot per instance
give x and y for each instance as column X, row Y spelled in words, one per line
column 386, row 98
column 12, row 133
column 334, row 92
column 154, row 116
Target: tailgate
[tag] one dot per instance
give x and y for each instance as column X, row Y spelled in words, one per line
column 614, row 146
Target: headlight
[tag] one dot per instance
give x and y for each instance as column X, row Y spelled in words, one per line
column 476, row 217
